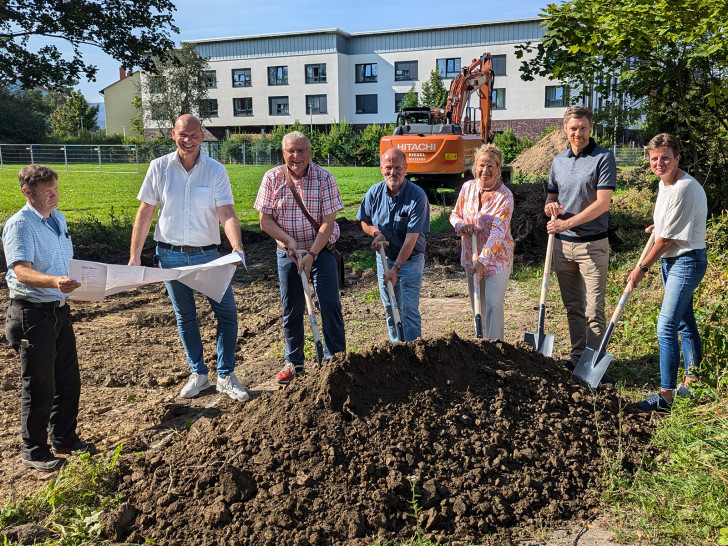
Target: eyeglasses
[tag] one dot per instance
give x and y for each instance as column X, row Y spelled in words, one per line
column 296, row 151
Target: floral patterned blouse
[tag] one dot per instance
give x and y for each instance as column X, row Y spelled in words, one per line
column 495, row 243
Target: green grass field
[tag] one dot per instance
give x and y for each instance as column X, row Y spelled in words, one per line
column 103, row 195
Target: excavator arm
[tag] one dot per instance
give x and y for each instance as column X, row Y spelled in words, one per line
column 478, row 77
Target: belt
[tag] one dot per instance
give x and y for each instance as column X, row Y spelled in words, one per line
column 185, row 249
column 25, row 304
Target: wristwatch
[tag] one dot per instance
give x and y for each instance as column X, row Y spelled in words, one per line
column 644, row 268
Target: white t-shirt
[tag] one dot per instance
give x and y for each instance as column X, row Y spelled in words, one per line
column 681, row 211
column 187, row 201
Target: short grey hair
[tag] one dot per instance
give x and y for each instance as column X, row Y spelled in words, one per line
column 578, row 112
column 295, row 135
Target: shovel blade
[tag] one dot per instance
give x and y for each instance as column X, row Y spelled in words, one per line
column 590, row 368
column 543, row 343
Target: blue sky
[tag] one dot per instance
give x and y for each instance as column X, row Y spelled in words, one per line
column 199, row 19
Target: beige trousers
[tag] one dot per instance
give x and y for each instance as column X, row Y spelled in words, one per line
column 582, row 270
column 492, row 294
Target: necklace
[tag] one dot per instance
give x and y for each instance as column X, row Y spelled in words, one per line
column 489, row 187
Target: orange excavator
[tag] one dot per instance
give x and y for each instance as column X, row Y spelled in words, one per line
column 440, row 142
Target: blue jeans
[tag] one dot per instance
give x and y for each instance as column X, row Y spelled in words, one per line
column 680, row 277
column 326, row 285
column 407, row 292
column 183, row 301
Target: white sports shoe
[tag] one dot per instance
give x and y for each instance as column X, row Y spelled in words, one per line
column 195, row 384
column 231, row 386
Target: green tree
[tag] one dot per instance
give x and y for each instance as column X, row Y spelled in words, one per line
column 74, row 116
column 659, row 63
column 128, row 31
column 177, row 85
column 340, row 144
column 24, row 115
column 433, row 91
column 410, row 100
column 510, row 145
column 367, row 153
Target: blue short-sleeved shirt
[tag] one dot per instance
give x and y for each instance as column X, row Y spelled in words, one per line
column 28, row 237
column 406, row 212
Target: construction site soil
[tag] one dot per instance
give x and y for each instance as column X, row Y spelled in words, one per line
column 459, row 438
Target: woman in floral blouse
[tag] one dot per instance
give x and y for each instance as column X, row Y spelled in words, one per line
column 485, row 207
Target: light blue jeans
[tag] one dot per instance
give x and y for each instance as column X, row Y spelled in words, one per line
column 680, row 277
column 183, row 301
column 407, row 293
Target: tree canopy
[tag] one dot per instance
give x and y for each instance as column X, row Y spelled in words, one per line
column 74, row 116
column 434, row 93
column 178, row 85
column 128, row 31
column 662, row 64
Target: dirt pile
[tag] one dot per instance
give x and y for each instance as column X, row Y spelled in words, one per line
column 490, row 437
column 537, row 159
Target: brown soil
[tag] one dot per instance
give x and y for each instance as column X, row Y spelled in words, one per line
column 537, row 159
column 494, row 439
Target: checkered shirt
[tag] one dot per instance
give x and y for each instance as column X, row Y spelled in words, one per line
column 319, row 193
column 27, row 237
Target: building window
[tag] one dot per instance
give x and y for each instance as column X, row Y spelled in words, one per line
column 555, row 96
column 499, row 65
column 243, row 106
column 448, row 68
column 316, row 73
column 405, row 71
column 366, row 73
column 366, row 104
column 398, row 98
column 212, row 108
column 315, row 104
column 278, row 106
column 499, row 98
column 210, row 77
column 277, row 75
column 156, row 84
column 241, row 77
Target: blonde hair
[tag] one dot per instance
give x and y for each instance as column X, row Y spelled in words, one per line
column 578, row 112
column 492, row 151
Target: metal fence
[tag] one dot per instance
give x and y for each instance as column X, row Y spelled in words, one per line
column 112, row 158
column 629, row 157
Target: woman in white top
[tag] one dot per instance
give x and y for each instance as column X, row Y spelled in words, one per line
column 679, row 218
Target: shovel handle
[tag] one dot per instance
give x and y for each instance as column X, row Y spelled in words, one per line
column 392, row 298
column 311, row 314
column 476, row 287
column 547, row 267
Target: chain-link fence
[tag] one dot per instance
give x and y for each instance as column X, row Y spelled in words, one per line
column 629, row 157
column 112, row 158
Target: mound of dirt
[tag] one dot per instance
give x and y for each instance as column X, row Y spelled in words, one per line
column 537, row 159
column 483, row 437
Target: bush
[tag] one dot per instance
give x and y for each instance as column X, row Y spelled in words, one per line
column 510, row 145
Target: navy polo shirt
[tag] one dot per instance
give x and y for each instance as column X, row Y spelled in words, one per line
column 406, row 212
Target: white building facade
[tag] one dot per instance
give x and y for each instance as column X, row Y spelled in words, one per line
column 325, row 76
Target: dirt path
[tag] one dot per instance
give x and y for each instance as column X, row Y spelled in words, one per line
column 133, row 365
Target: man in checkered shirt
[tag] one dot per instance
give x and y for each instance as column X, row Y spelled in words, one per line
column 282, row 219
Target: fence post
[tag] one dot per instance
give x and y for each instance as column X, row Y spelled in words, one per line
column 270, row 161
column 98, row 149
column 32, row 161
column 136, row 153
column 2, row 166
column 65, row 157
column 242, row 149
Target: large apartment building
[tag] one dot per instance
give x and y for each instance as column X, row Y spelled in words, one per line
column 323, row 76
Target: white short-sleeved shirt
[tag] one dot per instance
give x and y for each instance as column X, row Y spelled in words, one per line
column 187, row 201
column 681, row 211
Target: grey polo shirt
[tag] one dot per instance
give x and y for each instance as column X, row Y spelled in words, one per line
column 576, row 179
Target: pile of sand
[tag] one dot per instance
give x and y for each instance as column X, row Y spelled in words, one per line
column 537, row 159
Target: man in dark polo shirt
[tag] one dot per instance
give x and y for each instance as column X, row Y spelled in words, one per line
column 580, row 190
column 38, row 322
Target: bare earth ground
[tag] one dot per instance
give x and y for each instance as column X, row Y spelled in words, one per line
column 503, row 442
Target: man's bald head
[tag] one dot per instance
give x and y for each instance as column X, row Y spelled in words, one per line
column 187, row 135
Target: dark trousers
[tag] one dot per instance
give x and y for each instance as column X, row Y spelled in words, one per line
column 51, row 390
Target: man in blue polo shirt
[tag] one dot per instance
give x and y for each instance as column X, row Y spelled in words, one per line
column 580, row 190
column 38, row 322
column 397, row 212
